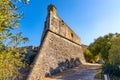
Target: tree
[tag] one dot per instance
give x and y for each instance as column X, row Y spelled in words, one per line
column 9, row 16
column 108, row 49
column 112, row 70
column 114, row 52
column 90, row 57
column 100, row 48
column 10, row 55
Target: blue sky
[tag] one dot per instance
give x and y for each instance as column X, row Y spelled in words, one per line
column 89, row 19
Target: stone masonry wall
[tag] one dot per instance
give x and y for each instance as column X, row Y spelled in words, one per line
column 58, row 26
column 60, row 48
column 54, row 53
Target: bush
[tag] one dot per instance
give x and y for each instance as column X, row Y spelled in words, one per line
column 113, row 71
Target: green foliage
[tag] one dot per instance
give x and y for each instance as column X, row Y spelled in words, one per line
column 104, row 48
column 90, row 57
column 114, row 52
column 9, row 15
column 108, row 49
column 101, row 46
column 32, row 57
column 10, row 56
column 113, row 71
column 10, row 63
column 111, row 67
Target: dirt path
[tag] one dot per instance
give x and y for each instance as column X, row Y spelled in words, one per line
column 83, row 72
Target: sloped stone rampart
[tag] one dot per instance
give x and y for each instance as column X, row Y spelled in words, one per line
column 55, row 50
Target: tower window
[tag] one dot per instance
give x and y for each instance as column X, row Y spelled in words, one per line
column 72, row 35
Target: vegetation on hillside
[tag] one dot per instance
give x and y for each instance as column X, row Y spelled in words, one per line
column 106, row 50
column 102, row 48
column 10, row 56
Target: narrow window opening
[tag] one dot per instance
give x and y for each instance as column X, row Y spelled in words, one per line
column 72, row 35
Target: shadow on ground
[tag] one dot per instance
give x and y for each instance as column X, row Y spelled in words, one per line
column 83, row 72
column 63, row 66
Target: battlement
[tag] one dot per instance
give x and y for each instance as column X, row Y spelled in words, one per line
column 55, row 24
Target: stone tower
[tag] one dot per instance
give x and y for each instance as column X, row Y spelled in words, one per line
column 60, row 48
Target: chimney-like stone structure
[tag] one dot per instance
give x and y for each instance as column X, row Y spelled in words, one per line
column 52, row 9
column 60, row 48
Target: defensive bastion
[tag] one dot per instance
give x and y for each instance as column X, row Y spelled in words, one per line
column 60, row 48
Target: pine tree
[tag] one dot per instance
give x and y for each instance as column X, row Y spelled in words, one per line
column 10, row 55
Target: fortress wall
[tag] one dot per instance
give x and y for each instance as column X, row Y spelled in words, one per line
column 56, row 54
column 58, row 26
column 60, row 48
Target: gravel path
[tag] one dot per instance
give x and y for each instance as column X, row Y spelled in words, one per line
column 84, row 72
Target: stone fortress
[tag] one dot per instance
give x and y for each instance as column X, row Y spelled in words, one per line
column 60, row 48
